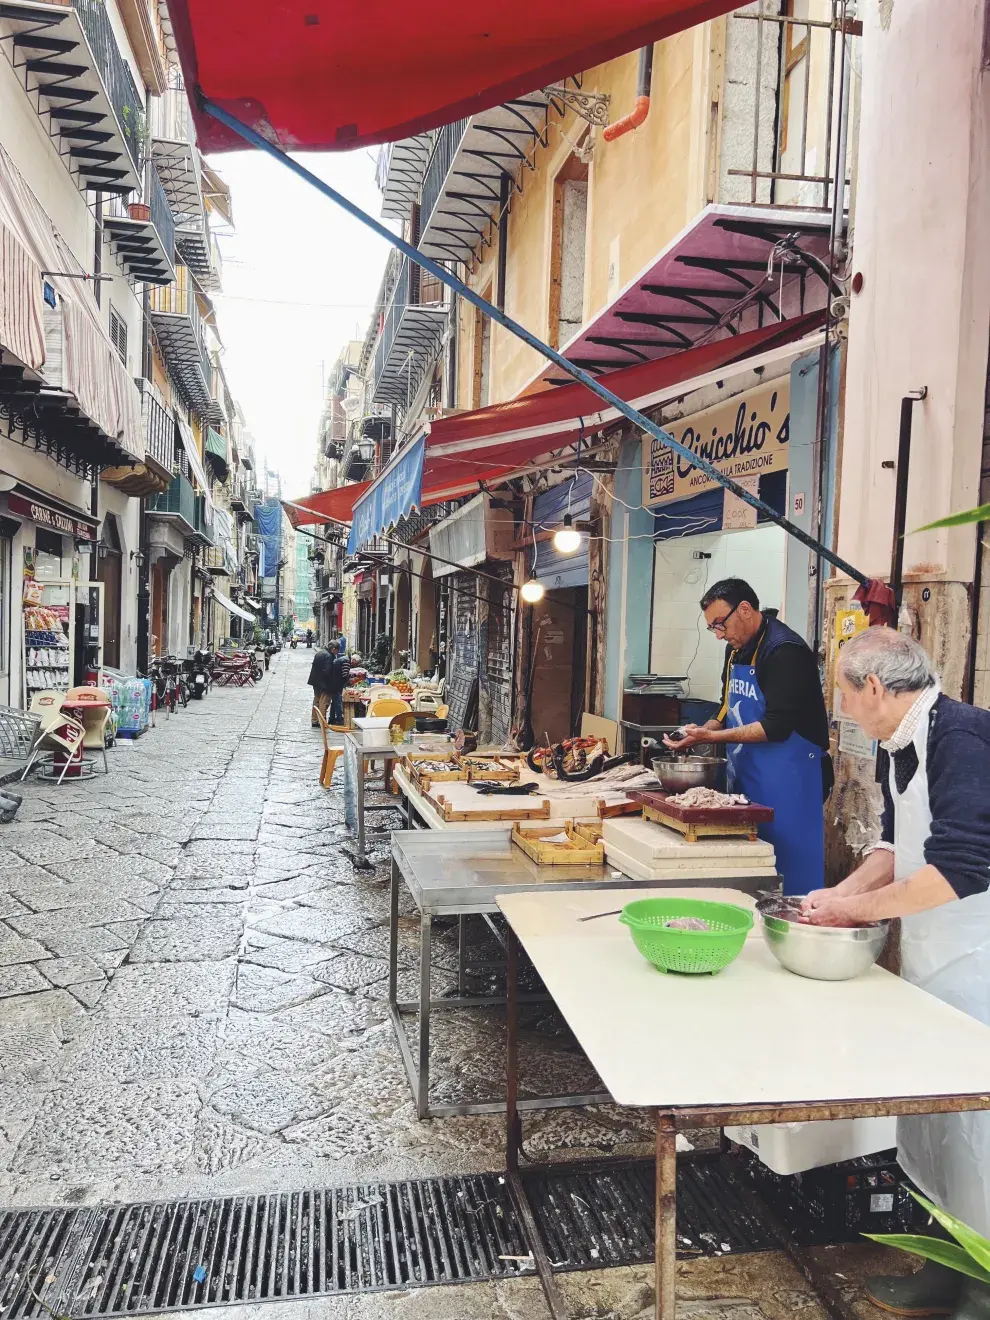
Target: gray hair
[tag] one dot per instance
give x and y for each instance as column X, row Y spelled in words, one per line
column 897, row 661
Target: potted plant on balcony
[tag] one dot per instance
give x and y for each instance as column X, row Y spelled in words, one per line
column 139, row 211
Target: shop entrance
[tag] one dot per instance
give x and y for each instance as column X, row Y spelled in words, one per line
column 109, row 572
column 558, row 656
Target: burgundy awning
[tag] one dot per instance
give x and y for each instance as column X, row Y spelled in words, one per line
column 328, row 75
column 492, row 443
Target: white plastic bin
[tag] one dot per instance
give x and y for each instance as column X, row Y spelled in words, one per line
column 795, row 1147
column 373, row 730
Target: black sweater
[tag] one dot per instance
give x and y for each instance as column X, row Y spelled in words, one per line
column 958, row 766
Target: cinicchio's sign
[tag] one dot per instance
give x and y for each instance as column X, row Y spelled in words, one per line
column 53, row 518
column 745, row 436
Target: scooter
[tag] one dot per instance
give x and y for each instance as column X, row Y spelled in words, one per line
column 293, row 643
column 199, row 677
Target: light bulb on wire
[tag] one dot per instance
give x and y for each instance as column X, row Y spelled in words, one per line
column 567, row 539
column 532, row 590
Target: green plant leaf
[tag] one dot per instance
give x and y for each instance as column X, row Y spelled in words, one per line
column 982, row 514
column 950, row 1254
column 975, row 1243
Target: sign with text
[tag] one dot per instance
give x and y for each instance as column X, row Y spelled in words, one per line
column 745, row 436
column 46, row 516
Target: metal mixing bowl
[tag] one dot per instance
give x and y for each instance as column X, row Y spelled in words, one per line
column 679, row 773
column 823, row 953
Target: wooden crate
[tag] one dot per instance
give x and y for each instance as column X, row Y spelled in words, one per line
column 507, row 772
column 694, row 830
column 608, row 809
column 578, row 851
column 425, row 779
column 588, row 829
column 532, row 810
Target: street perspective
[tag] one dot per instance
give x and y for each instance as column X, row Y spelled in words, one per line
column 494, row 660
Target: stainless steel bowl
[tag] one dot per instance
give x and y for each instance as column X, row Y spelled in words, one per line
column 679, row 773
column 823, row 953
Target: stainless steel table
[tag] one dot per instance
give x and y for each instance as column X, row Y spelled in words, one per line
column 356, row 758
column 461, row 873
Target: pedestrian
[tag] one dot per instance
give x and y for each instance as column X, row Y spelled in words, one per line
column 774, row 723
column 931, row 868
column 321, row 679
column 341, row 674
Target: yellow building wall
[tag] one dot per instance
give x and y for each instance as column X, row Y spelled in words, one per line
column 642, row 191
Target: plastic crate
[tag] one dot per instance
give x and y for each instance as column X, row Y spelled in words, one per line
column 840, row 1201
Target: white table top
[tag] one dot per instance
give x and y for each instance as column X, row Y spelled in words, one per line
column 754, row 1034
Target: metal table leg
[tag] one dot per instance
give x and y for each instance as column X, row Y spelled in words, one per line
column 393, row 939
column 423, row 1081
column 359, row 856
column 665, row 1232
column 461, row 954
column 513, row 1135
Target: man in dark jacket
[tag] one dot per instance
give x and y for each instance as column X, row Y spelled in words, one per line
column 341, row 675
column 321, row 679
column 931, row 868
column 774, row 724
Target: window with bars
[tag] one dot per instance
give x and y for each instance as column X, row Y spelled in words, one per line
column 118, row 334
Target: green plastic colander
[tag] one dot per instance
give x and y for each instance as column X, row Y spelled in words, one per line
column 697, row 951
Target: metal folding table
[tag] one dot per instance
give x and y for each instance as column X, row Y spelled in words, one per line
column 700, row 1050
column 463, row 872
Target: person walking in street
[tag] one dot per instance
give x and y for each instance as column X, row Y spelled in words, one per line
column 774, row 721
column 321, row 680
column 931, row 868
column 341, row 674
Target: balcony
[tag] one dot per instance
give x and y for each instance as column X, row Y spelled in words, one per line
column 142, row 233
column 199, row 250
column 172, row 146
column 412, row 333
column 69, row 63
column 176, row 506
column 203, row 520
column 461, row 187
column 153, row 476
column 178, row 325
column 214, row 558
column 217, row 452
column 400, row 171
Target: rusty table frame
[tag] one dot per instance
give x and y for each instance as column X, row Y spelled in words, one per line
column 668, row 1124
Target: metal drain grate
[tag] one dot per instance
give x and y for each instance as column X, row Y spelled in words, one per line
column 169, row 1256
column 604, row 1216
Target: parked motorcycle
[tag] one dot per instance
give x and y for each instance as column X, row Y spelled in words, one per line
column 293, row 643
column 199, row 676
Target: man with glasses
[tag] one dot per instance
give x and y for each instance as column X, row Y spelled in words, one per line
column 774, row 721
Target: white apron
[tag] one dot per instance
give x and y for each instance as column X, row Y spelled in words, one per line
column 945, row 951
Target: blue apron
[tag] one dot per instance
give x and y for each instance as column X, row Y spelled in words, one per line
column 784, row 775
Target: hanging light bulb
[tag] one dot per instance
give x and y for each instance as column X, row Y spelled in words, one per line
column 532, row 590
column 567, row 539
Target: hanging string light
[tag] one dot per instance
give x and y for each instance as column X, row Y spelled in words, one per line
column 532, row 590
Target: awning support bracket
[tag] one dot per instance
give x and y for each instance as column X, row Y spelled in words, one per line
column 638, row 419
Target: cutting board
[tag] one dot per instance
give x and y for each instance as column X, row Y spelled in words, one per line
column 651, row 844
column 708, row 871
column 753, row 814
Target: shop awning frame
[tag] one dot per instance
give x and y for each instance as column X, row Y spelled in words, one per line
column 488, row 309
column 231, row 608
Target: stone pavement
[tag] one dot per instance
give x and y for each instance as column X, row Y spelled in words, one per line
column 192, row 987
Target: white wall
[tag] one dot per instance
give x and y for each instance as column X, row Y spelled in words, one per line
column 920, row 243
column 681, row 643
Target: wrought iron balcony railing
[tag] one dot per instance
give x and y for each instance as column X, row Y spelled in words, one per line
column 115, row 74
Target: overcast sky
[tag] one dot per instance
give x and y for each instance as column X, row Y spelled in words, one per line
column 299, row 280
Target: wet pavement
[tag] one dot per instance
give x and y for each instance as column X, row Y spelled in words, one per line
column 192, row 1000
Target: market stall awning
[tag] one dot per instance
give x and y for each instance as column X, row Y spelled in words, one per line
column 731, row 269
column 463, row 451
column 329, row 76
column 230, row 607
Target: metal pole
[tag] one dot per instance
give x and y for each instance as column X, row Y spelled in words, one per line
column 901, row 492
column 665, row 1228
column 488, row 309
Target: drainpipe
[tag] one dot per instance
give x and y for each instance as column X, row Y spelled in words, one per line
column 641, row 109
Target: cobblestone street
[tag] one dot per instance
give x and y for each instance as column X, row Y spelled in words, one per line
column 192, row 1002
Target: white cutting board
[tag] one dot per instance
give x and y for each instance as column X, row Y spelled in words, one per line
column 648, row 842
column 709, row 869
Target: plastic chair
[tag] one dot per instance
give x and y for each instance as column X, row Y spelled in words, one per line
column 330, row 754
column 66, row 734
column 94, row 719
column 441, row 712
column 382, row 706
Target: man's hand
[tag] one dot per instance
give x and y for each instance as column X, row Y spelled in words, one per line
column 693, row 733
column 826, row 908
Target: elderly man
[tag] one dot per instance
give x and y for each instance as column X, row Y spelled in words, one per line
column 931, row 868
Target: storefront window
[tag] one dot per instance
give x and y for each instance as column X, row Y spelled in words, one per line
column 48, row 556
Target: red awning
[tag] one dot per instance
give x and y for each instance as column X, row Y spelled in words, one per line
column 327, row 75
column 493, row 443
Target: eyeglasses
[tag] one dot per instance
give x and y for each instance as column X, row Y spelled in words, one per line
column 719, row 625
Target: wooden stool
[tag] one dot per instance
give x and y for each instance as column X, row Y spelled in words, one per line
column 330, row 754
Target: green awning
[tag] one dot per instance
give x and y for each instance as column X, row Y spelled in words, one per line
column 217, row 451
